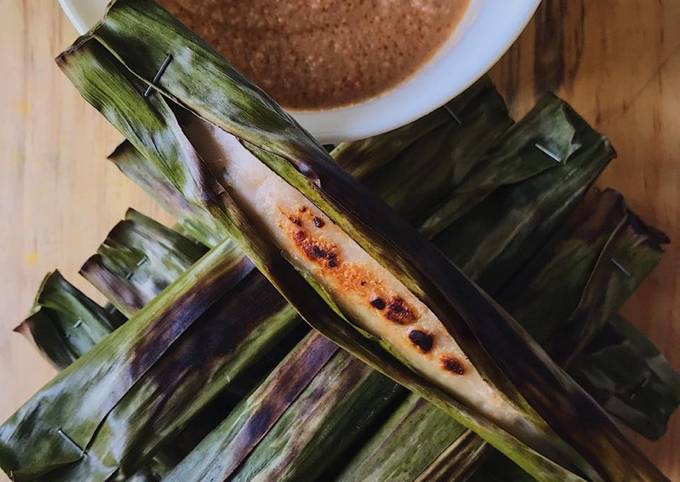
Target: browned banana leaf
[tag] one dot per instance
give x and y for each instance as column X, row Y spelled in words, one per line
column 68, row 423
column 64, row 323
column 126, row 280
column 298, row 454
column 617, row 251
column 573, row 265
column 627, row 375
column 138, row 259
column 141, row 35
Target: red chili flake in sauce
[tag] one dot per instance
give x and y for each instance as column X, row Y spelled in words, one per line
column 295, row 220
column 452, row 364
column 399, row 312
column 422, row 340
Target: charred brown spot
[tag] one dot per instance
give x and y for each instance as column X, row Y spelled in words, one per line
column 399, row 312
column 422, row 340
column 295, row 220
column 302, row 209
column 318, row 222
column 378, row 303
column 452, row 364
column 363, row 283
column 316, row 250
column 300, row 236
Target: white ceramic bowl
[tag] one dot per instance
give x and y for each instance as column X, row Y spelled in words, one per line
column 486, row 32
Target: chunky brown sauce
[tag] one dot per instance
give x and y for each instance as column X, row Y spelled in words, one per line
column 311, row 54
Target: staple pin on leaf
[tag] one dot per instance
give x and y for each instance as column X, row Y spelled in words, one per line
column 158, row 75
column 620, row 267
column 548, row 152
column 71, row 441
column 453, row 114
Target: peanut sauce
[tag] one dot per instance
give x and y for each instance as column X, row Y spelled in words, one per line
column 314, row 54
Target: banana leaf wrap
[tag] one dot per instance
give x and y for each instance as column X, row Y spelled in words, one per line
column 205, row 83
column 627, row 251
column 70, row 407
column 116, row 271
column 551, row 190
column 280, row 406
column 138, row 259
column 480, row 107
column 523, row 152
column 64, row 323
column 572, row 265
column 627, row 375
column 301, row 288
column 295, row 459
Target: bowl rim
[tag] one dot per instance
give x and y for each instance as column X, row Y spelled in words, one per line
column 438, row 81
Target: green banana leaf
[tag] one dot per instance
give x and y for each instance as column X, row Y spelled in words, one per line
column 68, row 423
column 479, row 108
column 138, row 259
column 628, row 251
column 576, row 262
column 294, row 449
column 628, row 376
column 116, row 270
column 550, row 191
column 523, row 152
column 140, row 35
column 64, row 323
column 265, row 415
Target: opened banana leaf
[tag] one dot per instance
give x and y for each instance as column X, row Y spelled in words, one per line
column 116, row 270
column 246, row 128
column 292, row 447
column 482, row 97
column 64, row 323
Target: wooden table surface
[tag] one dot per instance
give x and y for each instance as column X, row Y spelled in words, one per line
column 616, row 61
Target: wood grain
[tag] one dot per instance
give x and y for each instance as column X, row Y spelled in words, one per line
column 58, row 194
column 616, row 61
